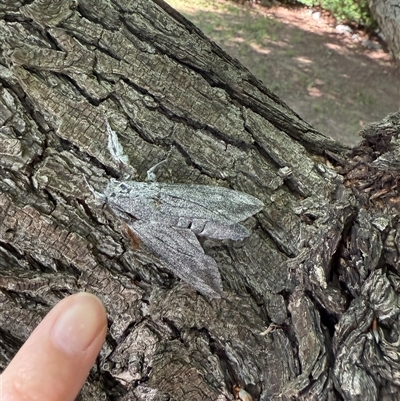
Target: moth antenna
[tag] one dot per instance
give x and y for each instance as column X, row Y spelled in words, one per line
column 151, row 175
column 96, row 194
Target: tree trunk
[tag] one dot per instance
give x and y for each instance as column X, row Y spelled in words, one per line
column 387, row 13
column 310, row 305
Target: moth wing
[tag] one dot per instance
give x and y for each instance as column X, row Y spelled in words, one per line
column 212, row 211
column 207, row 202
column 181, row 200
column 208, row 211
column 221, row 230
column 183, row 254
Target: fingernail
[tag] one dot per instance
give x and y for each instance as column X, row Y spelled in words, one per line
column 79, row 324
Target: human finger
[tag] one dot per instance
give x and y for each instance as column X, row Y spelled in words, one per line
column 56, row 359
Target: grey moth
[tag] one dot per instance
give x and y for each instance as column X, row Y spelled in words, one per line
column 167, row 218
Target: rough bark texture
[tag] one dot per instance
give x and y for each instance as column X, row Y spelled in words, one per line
column 387, row 13
column 320, row 270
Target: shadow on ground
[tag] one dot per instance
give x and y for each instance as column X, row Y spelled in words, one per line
column 331, row 80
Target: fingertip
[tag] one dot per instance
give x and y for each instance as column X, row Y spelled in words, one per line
column 79, row 324
column 54, row 362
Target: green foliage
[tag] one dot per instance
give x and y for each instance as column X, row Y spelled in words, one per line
column 356, row 11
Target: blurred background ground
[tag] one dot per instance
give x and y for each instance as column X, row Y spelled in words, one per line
column 335, row 78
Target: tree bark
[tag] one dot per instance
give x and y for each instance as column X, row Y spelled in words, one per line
column 387, row 13
column 310, row 309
